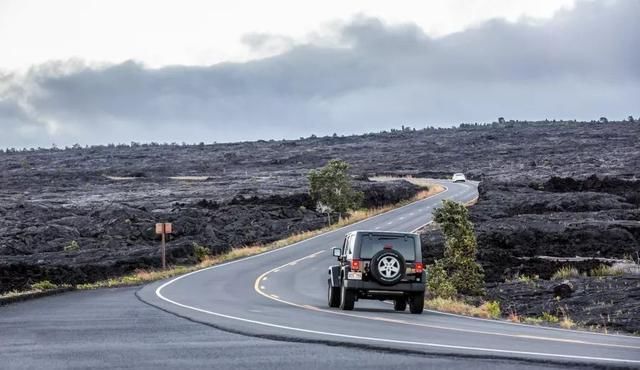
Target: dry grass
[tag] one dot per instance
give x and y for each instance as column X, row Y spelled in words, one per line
column 528, row 279
column 426, row 183
column 488, row 310
column 43, row 285
column 39, row 287
column 419, row 181
column 605, row 270
column 531, row 320
column 362, row 214
column 472, row 202
column 432, row 189
column 461, row 308
column 15, row 293
column 565, row 273
column 567, row 323
column 546, row 318
column 146, row 276
column 513, row 317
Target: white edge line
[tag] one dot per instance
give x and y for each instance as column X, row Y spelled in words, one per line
column 384, row 340
column 472, row 331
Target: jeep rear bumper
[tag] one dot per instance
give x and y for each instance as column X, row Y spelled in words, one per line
column 375, row 288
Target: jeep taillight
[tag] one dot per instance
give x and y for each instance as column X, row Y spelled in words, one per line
column 355, row 265
column 419, row 267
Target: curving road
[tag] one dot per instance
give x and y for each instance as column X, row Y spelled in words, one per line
column 282, row 294
column 273, row 312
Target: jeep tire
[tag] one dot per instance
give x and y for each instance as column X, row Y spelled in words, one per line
column 400, row 304
column 333, row 295
column 347, row 298
column 416, row 303
column 388, row 267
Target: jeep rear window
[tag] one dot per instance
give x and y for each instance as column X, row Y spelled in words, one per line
column 372, row 244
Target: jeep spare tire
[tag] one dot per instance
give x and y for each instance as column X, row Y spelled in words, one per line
column 387, row 267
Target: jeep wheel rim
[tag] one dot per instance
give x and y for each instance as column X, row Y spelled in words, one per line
column 389, row 267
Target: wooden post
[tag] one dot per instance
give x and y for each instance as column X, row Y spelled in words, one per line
column 162, row 229
column 164, row 252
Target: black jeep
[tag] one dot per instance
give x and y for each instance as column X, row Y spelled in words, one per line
column 378, row 265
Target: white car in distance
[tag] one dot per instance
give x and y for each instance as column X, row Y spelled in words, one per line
column 458, row 177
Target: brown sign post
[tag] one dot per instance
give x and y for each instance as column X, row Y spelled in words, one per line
column 164, row 228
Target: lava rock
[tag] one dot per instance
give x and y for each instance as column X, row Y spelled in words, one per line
column 601, row 303
column 119, row 237
column 563, row 290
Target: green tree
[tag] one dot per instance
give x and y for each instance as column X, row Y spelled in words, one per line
column 330, row 187
column 438, row 282
column 461, row 247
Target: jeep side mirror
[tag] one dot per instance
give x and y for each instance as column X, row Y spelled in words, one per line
column 337, row 252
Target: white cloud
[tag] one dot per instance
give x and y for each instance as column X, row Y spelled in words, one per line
column 200, row 32
column 580, row 64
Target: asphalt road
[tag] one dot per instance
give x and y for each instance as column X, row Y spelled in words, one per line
column 270, row 311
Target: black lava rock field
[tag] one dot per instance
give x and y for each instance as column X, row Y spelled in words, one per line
column 549, row 189
column 79, row 240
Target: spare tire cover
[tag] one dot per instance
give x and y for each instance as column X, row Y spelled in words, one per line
column 387, row 267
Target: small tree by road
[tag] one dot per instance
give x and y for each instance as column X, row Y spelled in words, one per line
column 459, row 262
column 330, row 187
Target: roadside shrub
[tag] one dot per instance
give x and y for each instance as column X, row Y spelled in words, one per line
column 438, row 283
column 492, row 308
column 532, row 320
column 461, row 247
column 605, row 270
column 201, row 253
column 565, row 272
column 567, row 323
column 73, row 246
column 546, row 316
column 43, row 285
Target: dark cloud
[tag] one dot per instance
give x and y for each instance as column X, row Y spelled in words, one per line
column 581, row 64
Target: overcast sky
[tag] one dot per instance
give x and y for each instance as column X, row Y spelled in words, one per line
column 119, row 71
